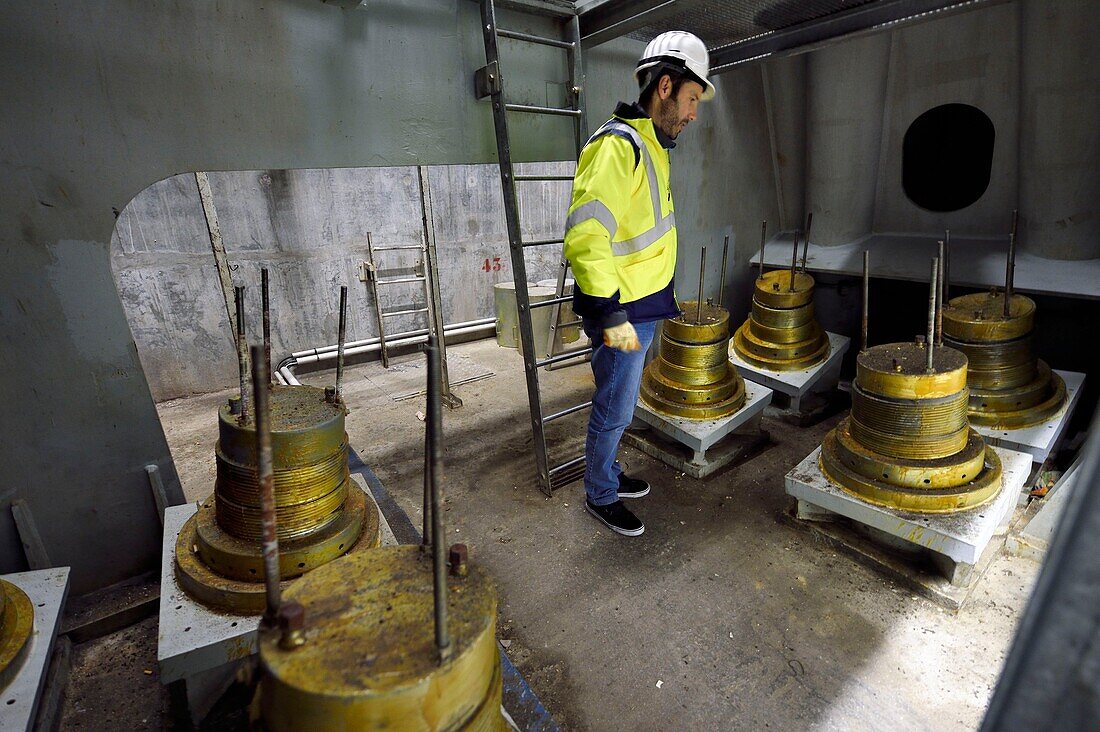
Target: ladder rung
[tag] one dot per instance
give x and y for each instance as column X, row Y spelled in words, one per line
column 395, row 248
column 399, row 280
column 567, row 464
column 533, row 109
column 567, row 324
column 552, row 301
column 543, row 242
column 543, row 177
column 404, row 312
column 563, row 356
column 564, row 474
column 565, row 412
column 518, row 36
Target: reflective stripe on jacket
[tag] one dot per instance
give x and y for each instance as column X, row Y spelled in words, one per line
column 620, row 236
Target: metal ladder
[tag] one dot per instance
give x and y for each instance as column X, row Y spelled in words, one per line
column 489, row 82
column 424, row 271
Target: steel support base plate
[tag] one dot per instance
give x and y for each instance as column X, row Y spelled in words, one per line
column 194, row 638
column 699, row 436
column 954, row 543
column 1040, row 440
column 797, row 384
column 47, row 590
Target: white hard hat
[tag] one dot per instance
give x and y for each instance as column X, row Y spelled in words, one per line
column 678, row 49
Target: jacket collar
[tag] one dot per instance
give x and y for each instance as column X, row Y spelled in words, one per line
column 635, row 112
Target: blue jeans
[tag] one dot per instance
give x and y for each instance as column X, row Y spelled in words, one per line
column 618, row 379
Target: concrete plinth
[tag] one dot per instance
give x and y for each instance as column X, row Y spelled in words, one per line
column 701, row 437
column 958, row 545
column 1042, row 439
column 197, row 645
column 798, row 384
column 47, row 590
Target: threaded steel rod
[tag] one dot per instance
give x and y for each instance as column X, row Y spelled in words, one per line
column 866, row 296
column 340, row 342
column 266, row 476
column 806, row 244
column 265, row 297
column 794, row 263
column 434, row 423
column 722, row 281
column 930, row 340
column 939, row 298
column 702, row 272
column 763, row 238
column 1010, row 267
column 242, row 351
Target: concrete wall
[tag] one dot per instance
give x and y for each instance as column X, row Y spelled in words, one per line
column 310, row 228
column 104, row 98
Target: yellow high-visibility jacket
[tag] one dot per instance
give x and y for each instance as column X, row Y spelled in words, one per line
column 620, row 236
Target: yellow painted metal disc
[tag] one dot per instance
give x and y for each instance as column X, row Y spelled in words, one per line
column 682, row 375
column 681, row 393
column 305, row 429
column 16, row 626
column 708, row 410
column 897, row 371
column 1017, row 418
column 242, row 560
column 692, row 356
column 243, row 597
column 709, row 324
column 805, row 333
column 780, row 351
column 774, row 290
column 782, row 317
column 979, row 317
column 755, row 352
column 978, row 489
column 947, row 472
column 938, row 416
column 369, row 660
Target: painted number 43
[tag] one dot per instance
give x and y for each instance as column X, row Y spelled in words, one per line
column 491, row 265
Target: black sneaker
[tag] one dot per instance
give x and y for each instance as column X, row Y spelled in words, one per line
column 616, row 517
column 632, row 487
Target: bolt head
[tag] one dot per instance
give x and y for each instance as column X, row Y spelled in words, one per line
column 457, row 558
column 292, row 616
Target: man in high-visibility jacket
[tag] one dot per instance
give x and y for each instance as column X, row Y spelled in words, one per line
column 620, row 241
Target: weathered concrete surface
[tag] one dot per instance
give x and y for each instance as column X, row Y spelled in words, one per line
column 743, row 620
column 310, row 228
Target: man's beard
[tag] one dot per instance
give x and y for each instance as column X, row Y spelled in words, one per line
column 667, row 119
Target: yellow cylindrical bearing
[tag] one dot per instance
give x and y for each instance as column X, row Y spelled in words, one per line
column 369, row 659
column 994, row 355
column 709, row 410
column 979, row 318
column 938, row 416
column 898, row 371
column 774, row 290
column 696, row 376
column 805, row 333
column 698, row 325
column 953, row 471
column 1025, row 416
column 917, row 447
column 693, row 356
column 300, row 519
column 739, row 346
column 782, row 317
column 682, row 393
column 781, row 351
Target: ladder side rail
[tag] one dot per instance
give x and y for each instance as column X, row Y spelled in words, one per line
column 372, row 275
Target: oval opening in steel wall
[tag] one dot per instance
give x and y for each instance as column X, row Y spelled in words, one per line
column 947, row 156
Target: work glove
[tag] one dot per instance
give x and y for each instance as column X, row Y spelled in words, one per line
column 621, row 337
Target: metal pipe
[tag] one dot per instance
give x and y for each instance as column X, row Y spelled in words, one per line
column 794, row 263
column 930, row 339
column 242, row 353
column 434, row 424
column 806, row 244
column 702, row 271
column 939, row 299
column 1010, row 268
column 372, row 345
column 264, row 296
column 340, row 341
column 722, row 281
column 947, row 265
column 763, row 238
column 866, row 296
column 266, row 476
column 331, row 349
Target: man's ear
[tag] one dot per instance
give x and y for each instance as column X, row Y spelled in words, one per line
column 664, row 87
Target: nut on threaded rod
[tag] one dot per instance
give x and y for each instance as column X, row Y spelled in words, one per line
column 266, row 480
column 242, row 351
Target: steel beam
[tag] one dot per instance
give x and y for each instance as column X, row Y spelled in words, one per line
column 604, row 20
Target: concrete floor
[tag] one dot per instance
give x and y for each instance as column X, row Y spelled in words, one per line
column 720, row 616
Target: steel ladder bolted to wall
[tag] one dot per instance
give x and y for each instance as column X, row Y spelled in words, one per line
column 489, row 82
